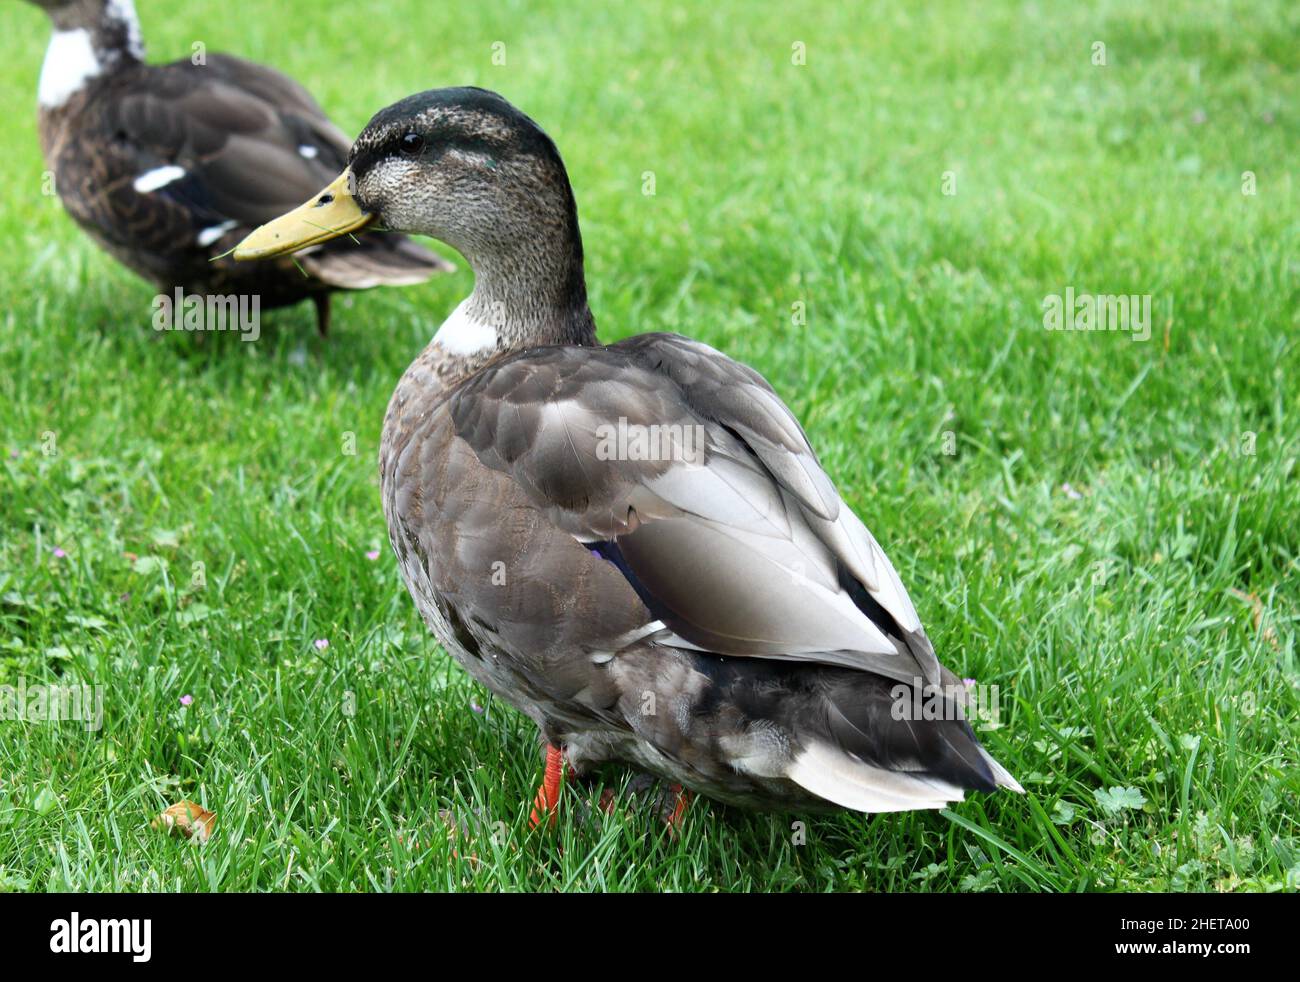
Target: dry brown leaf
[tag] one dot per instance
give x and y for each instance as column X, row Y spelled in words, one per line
column 187, row 818
column 1257, row 615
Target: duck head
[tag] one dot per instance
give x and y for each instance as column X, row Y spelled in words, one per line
column 466, row 167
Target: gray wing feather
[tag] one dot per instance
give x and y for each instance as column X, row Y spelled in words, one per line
column 740, row 551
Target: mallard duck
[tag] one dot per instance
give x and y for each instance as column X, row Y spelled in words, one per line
column 168, row 166
column 633, row 544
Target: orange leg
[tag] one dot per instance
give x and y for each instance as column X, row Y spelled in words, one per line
column 608, row 801
column 548, row 795
column 681, row 799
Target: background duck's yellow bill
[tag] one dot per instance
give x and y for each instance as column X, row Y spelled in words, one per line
column 329, row 214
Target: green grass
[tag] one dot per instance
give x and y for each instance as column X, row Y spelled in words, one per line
column 1140, row 622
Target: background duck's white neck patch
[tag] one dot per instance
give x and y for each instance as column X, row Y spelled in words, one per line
column 71, row 59
column 70, row 62
column 462, row 334
column 124, row 11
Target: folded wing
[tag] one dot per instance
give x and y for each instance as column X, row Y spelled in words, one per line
column 684, row 469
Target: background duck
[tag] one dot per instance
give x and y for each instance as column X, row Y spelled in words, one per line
column 718, row 616
column 168, row 166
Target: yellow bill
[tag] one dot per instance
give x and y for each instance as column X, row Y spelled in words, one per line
column 329, row 214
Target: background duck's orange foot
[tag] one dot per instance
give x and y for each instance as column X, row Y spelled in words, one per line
column 547, row 802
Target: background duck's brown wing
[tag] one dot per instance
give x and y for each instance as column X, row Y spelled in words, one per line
column 192, row 157
column 684, row 470
column 251, row 142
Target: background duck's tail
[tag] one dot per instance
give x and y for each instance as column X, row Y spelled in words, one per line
column 374, row 259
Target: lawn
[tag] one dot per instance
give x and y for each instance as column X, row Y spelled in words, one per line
column 1105, row 528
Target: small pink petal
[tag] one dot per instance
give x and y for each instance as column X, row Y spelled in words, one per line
column 59, row 553
column 186, row 699
column 321, row 644
column 475, row 706
column 968, row 682
column 372, row 555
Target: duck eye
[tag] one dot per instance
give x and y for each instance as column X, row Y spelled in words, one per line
column 412, row 143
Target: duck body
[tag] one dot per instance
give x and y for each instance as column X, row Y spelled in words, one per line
column 628, row 618
column 168, row 166
column 633, row 544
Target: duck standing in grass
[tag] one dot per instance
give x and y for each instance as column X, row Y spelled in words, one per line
column 633, row 544
column 168, row 166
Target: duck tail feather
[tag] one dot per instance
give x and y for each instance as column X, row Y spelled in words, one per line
column 860, row 719
column 1000, row 774
column 832, row 774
